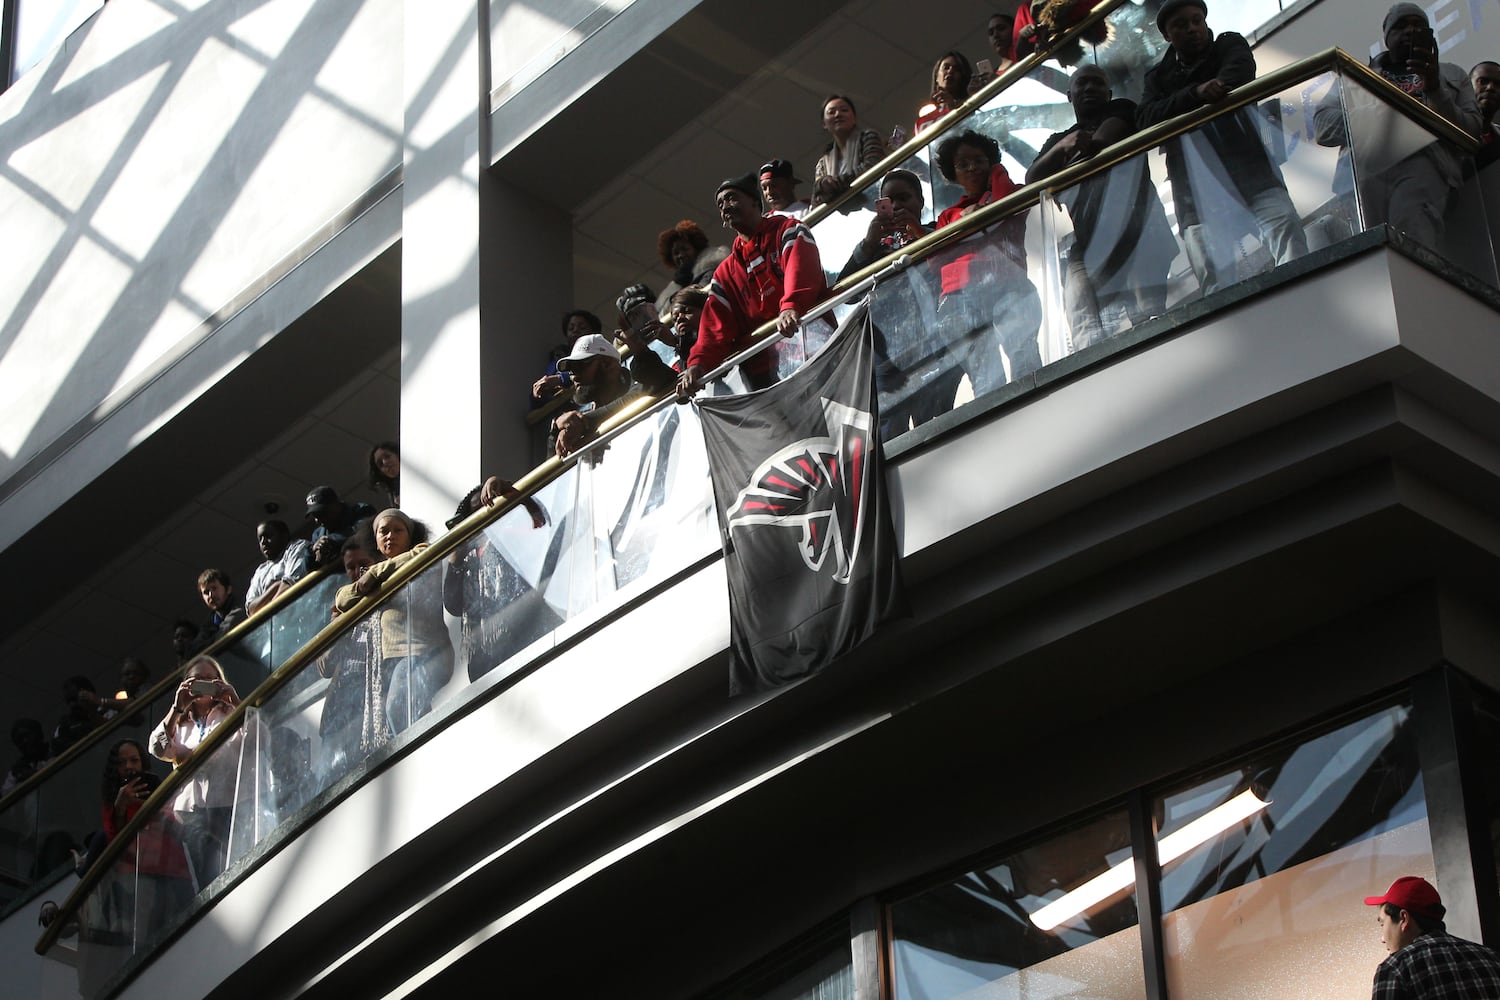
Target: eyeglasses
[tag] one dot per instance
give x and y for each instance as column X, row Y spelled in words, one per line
column 965, row 166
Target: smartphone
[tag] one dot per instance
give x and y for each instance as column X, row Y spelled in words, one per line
column 884, row 209
column 644, row 321
column 201, row 688
column 1427, row 40
column 983, row 69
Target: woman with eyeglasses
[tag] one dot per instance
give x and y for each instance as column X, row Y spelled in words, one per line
column 987, row 301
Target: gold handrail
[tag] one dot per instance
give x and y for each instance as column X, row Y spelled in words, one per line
column 550, row 469
column 168, row 681
column 1017, row 71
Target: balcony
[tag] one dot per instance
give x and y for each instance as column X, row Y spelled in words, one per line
column 1296, row 453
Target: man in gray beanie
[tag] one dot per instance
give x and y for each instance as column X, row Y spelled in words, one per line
column 1409, row 191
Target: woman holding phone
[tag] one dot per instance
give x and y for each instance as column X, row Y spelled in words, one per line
column 204, row 806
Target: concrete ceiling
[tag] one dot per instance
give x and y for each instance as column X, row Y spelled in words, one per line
column 726, row 91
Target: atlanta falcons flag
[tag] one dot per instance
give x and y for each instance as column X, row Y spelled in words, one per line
column 808, row 545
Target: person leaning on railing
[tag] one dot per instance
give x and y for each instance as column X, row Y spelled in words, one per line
column 773, row 272
column 416, row 653
column 987, row 299
column 1200, row 69
column 852, row 151
column 158, row 859
column 1409, row 192
column 602, row 386
column 1485, row 79
column 1121, row 253
column 687, row 314
column 914, row 386
column 499, row 611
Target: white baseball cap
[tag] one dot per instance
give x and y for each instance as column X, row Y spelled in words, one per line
column 584, row 348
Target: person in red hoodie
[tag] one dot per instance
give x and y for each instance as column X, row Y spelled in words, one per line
column 773, row 272
column 988, row 302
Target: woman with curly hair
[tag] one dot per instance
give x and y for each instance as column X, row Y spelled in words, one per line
column 385, row 471
column 147, row 887
column 987, row 300
column 415, row 652
column 684, row 250
column 127, row 782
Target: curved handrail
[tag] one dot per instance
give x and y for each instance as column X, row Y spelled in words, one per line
column 168, row 681
column 1017, row 71
column 550, row 469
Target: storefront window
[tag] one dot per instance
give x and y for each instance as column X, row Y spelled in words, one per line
column 1487, row 738
column 1265, row 865
column 818, row 966
column 1054, row 920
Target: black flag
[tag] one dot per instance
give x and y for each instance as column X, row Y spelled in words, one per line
column 800, row 488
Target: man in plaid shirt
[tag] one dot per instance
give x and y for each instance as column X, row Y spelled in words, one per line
column 1426, row 962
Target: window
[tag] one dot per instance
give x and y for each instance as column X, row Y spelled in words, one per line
column 1057, row 919
column 1273, row 900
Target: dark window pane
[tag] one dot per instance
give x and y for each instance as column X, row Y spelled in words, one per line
column 1057, row 919
column 1265, row 865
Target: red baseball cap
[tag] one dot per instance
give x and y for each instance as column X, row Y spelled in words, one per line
column 1414, row 894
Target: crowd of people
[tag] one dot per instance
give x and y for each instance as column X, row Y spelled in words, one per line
column 383, row 677
column 975, row 312
column 329, row 523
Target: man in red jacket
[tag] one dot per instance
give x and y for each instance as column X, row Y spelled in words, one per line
column 773, row 272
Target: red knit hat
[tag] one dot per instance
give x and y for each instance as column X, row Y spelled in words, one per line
column 1414, row 894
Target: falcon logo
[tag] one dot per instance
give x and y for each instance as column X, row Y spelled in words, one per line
column 816, row 484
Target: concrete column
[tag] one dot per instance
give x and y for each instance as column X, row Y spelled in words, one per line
column 486, row 273
column 440, row 274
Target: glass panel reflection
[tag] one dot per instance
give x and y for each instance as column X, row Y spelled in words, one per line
column 41, row 832
column 1030, row 925
column 495, row 585
column 1018, row 118
column 1403, row 176
column 820, row 966
column 628, row 515
column 1274, row 899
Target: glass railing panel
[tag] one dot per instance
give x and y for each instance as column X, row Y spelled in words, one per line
column 1211, row 208
column 1019, row 118
column 960, row 325
column 56, row 824
column 649, row 498
column 1218, row 205
column 1393, row 170
column 496, row 584
column 294, row 625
